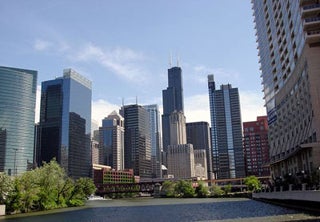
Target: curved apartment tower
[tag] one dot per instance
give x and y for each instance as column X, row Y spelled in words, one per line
column 288, row 36
column 17, row 112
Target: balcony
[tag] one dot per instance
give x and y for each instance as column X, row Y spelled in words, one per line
column 310, row 10
column 313, row 36
column 311, row 23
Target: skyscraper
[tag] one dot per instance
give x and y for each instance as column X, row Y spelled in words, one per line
column 65, row 123
column 112, row 141
column 289, row 50
column 198, row 134
column 17, row 110
column 137, row 143
column 155, row 135
column 256, row 147
column 172, row 101
column 227, row 151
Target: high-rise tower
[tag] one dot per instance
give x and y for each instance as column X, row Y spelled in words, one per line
column 112, row 141
column 227, row 152
column 17, row 110
column 198, row 134
column 137, row 143
column 289, row 50
column 172, row 101
column 65, row 123
column 155, row 135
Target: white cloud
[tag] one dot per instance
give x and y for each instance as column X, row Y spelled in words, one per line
column 41, row 45
column 124, row 62
column 197, row 108
column 252, row 105
column 101, row 109
column 220, row 74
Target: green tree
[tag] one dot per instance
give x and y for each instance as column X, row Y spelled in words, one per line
column 167, row 189
column 6, row 185
column 201, row 190
column 216, row 191
column 29, row 191
column 227, row 189
column 252, row 183
column 83, row 188
column 184, row 189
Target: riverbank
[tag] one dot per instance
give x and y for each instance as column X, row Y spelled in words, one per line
column 168, row 209
column 308, row 200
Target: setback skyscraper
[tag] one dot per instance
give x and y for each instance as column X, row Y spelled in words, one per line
column 65, row 123
column 288, row 36
column 17, row 111
column 172, row 101
column 112, row 141
column 137, row 143
column 227, row 151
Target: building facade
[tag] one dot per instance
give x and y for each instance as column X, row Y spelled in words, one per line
column 111, row 141
column 137, row 142
column 155, row 135
column 18, row 89
column 65, row 123
column 256, row 147
column 227, row 151
column 289, row 49
column 172, row 98
column 181, row 161
column 200, row 161
column 198, row 134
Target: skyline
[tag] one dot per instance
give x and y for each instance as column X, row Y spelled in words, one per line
column 122, row 47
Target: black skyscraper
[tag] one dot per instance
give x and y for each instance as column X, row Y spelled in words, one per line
column 137, row 142
column 172, row 101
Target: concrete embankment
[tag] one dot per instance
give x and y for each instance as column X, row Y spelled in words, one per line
column 305, row 200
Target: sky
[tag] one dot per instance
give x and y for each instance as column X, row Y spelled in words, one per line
column 125, row 48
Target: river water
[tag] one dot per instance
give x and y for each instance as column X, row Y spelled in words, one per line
column 158, row 210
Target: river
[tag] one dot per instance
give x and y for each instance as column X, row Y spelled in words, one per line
column 158, row 210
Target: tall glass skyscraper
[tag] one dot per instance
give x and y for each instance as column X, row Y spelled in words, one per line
column 17, row 112
column 112, row 141
column 65, row 123
column 172, row 98
column 137, row 143
column 288, row 36
column 227, row 151
column 155, row 135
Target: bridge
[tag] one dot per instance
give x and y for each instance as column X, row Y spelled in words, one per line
column 148, row 186
column 143, row 187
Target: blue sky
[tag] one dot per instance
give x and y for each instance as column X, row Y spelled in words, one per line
column 124, row 47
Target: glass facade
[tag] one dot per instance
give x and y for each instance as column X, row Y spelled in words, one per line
column 17, row 114
column 155, row 135
column 226, row 131
column 137, row 143
column 112, row 141
column 65, row 123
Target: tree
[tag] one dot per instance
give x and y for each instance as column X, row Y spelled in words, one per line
column 227, row 189
column 167, row 189
column 184, row 189
column 6, row 186
column 201, row 190
column 252, row 183
column 216, row 191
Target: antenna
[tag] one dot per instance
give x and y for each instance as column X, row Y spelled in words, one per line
column 170, row 60
column 122, row 101
column 178, row 60
column 136, row 100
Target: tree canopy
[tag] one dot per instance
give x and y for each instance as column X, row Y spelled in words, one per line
column 44, row 188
